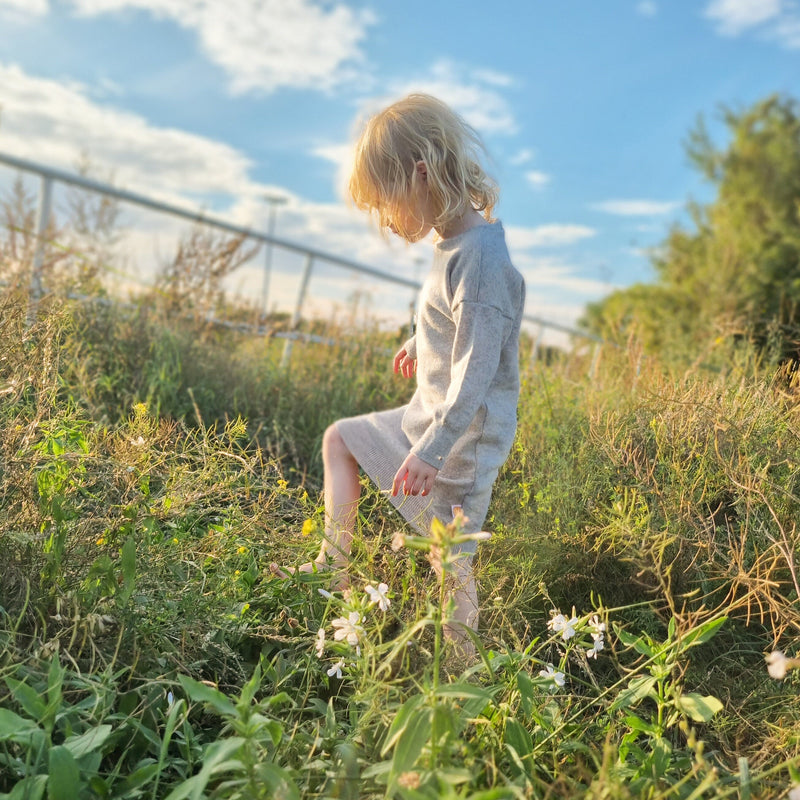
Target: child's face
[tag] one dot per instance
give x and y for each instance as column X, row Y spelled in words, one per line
column 413, row 220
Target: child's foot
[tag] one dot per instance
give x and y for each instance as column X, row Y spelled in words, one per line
column 341, row 580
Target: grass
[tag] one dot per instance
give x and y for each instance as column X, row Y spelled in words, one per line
column 152, row 467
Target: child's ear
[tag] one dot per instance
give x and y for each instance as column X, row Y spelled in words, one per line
column 422, row 170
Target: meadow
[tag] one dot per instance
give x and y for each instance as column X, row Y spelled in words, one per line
column 642, row 565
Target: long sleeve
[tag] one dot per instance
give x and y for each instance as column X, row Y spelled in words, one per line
column 481, row 332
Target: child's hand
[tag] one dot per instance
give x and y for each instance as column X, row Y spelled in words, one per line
column 415, row 476
column 403, row 364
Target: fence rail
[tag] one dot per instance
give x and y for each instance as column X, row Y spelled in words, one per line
column 49, row 176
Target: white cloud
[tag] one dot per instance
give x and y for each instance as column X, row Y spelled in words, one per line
column 734, row 16
column 555, row 274
column 787, row 31
column 24, row 8
column 493, row 77
column 647, row 8
column 521, row 157
column 537, row 179
column 637, row 208
column 264, row 44
column 467, row 91
column 57, row 123
column 547, row 236
column 777, row 20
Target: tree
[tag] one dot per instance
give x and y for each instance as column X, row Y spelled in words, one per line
column 739, row 268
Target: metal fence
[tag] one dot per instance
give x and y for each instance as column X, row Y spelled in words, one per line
column 49, row 177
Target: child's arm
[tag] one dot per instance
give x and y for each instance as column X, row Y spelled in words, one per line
column 481, row 332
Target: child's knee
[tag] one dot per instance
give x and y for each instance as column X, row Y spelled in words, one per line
column 333, row 445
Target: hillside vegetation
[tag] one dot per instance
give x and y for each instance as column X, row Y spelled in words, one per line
column 152, row 469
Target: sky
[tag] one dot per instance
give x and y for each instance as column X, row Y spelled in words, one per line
column 584, row 108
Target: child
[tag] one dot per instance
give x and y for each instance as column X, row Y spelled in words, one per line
column 417, row 168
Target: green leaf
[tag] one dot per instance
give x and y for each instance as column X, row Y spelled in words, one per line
column 638, row 724
column 64, row 779
column 201, row 693
column 454, row 776
column 55, row 679
column 745, row 786
column 518, row 737
column 400, row 721
column 416, row 734
column 657, row 761
column 214, row 759
column 30, row 788
column 638, row 643
column 526, row 691
column 638, row 689
column 128, row 567
column 377, row 770
column 698, row 707
column 89, row 741
column 28, row 698
column 282, row 698
column 139, row 777
column 14, row 728
column 464, row 691
column 702, row 633
column 277, row 780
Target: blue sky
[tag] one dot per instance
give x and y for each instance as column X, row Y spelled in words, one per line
column 584, row 108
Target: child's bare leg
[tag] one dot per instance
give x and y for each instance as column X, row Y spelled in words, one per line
column 342, row 490
column 463, row 592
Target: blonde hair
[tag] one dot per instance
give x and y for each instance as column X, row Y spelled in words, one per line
column 420, row 128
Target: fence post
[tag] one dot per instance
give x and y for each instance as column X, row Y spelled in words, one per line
column 535, row 344
column 42, row 221
column 595, row 360
column 298, row 308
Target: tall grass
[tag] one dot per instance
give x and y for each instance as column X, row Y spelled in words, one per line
column 643, row 562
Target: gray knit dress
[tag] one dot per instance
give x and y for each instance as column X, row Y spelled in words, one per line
column 463, row 415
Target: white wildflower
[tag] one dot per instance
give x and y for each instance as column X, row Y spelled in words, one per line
column 348, row 628
column 326, row 594
column 170, row 699
column 598, row 627
column 336, row 669
column 379, row 595
column 319, row 645
column 560, row 624
column 597, row 645
column 794, row 793
column 778, row 665
column 597, row 630
column 398, row 542
column 550, row 672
